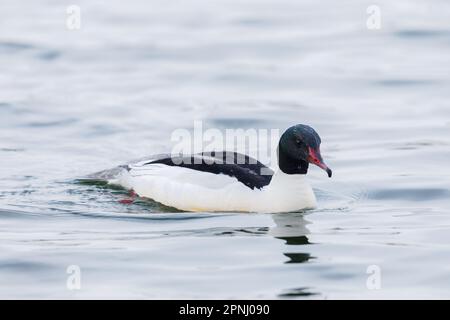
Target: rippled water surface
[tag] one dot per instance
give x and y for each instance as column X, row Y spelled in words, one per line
column 75, row 102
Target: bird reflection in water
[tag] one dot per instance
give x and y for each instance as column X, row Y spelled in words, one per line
column 291, row 227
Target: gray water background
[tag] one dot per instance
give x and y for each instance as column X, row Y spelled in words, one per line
column 77, row 101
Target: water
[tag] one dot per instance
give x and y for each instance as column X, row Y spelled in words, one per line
column 75, row 102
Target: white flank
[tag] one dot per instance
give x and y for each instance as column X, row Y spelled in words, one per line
column 193, row 190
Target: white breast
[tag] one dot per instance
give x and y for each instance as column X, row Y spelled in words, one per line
column 193, row 190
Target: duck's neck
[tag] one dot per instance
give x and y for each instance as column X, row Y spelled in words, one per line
column 289, row 165
column 286, row 181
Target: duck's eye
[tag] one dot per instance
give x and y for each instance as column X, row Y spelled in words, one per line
column 298, row 142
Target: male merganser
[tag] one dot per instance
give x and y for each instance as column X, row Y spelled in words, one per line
column 229, row 181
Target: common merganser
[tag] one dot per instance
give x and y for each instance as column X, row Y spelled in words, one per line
column 228, row 181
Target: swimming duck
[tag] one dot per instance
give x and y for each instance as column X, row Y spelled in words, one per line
column 229, row 181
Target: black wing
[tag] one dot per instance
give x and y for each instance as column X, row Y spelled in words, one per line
column 245, row 169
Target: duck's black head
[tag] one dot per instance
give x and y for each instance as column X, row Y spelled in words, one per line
column 298, row 147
